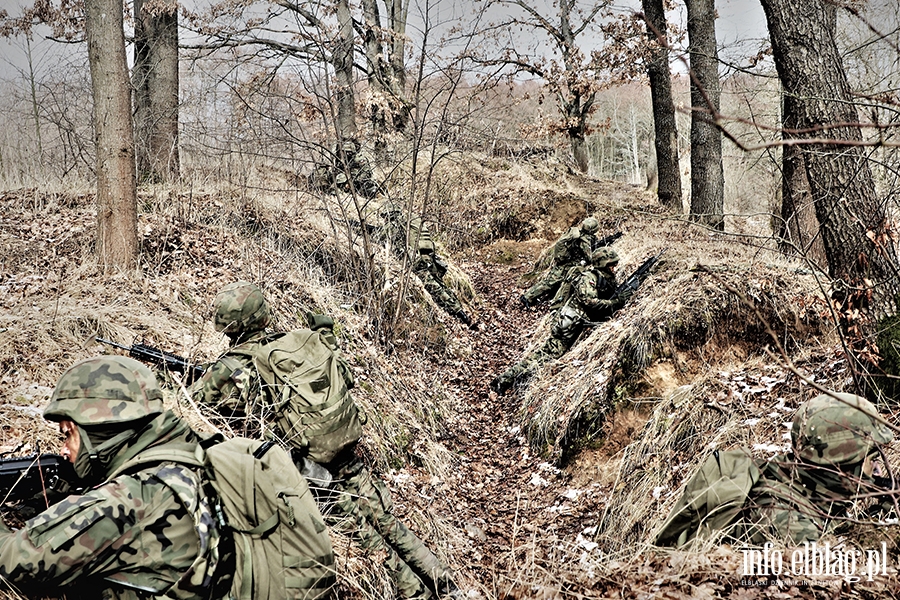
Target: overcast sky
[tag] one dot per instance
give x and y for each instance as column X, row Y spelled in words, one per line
column 740, row 26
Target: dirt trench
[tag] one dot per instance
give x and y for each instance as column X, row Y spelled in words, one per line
column 511, row 503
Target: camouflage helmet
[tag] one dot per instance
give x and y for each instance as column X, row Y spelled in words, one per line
column 604, row 257
column 240, row 307
column 390, row 210
column 105, row 390
column 590, row 225
column 833, row 431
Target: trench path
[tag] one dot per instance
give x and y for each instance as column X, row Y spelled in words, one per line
column 509, row 501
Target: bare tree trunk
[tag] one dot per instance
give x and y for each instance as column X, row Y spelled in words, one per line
column 342, row 61
column 399, row 9
column 379, row 86
column 114, row 133
column 575, row 107
column 34, row 101
column 799, row 230
column 855, row 229
column 666, row 140
column 707, row 179
column 155, row 80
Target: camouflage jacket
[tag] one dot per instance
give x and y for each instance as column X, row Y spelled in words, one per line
column 593, row 294
column 795, row 502
column 572, row 248
column 418, row 242
column 146, row 532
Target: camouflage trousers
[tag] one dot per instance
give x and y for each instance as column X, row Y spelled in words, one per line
column 428, row 272
column 546, row 286
column 363, row 509
column 552, row 349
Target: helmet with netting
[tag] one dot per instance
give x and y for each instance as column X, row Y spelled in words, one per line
column 837, row 430
column 604, row 257
column 105, row 390
column 590, row 225
column 241, row 307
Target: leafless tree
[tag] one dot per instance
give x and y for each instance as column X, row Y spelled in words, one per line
column 666, row 139
column 855, row 226
column 707, row 178
column 116, row 190
column 571, row 74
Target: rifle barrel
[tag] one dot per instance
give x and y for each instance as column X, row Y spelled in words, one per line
column 113, row 344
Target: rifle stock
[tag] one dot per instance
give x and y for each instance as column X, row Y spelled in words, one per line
column 155, row 356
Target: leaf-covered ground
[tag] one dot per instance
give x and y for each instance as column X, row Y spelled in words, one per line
column 513, row 523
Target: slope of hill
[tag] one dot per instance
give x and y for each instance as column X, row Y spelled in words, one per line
column 552, row 490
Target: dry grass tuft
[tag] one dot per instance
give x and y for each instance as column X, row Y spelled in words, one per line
column 55, row 300
column 686, row 315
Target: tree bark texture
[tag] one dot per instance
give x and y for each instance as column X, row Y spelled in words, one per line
column 342, row 61
column 114, row 134
column 575, row 105
column 399, row 10
column 155, row 80
column 799, row 227
column 707, row 179
column 853, row 222
column 666, row 140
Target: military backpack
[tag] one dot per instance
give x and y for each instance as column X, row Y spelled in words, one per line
column 302, row 383
column 282, row 550
column 713, row 499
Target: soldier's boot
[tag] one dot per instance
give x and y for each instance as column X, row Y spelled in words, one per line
column 462, row 316
column 501, row 383
column 525, row 301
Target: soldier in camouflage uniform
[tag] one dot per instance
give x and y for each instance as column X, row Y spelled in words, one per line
column 351, row 172
column 572, row 249
column 143, row 531
column 794, row 498
column 426, row 264
column 588, row 297
column 363, row 506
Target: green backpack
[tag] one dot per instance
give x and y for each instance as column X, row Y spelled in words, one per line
column 712, row 499
column 281, row 546
column 303, row 384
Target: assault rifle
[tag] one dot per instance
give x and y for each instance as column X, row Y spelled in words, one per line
column 606, row 241
column 155, row 356
column 36, row 482
column 630, row 285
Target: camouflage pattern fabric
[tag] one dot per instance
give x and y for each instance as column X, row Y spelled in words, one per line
column 796, row 502
column 143, row 534
column 419, row 248
column 591, row 300
column 548, row 285
column 427, row 271
column 363, row 507
column 573, row 248
column 240, row 307
column 352, row 172
column 106, row 390
column 799, row 495
column 364, row 510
